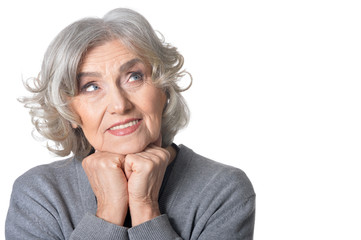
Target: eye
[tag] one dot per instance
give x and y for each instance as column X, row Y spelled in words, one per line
column 135, row 76
column 89, row 87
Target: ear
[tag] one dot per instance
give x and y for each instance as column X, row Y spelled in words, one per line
column 74, row 125
column 167, row 99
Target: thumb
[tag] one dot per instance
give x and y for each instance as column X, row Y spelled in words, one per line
column 128, row 167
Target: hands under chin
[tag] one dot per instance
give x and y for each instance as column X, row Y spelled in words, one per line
column 122, row 181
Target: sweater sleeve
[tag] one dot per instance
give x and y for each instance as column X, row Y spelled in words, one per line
column 231, row 221
column 230, row 213
column 158, row 228
column 224, row 208
column 38, row 211
column 236, row 223
column 94, row 228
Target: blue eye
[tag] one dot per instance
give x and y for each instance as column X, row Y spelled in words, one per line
column 136, row 76
column 90, row 87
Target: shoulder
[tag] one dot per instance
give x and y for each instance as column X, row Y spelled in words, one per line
column 40, row 199
column 50, row 172
column 203, row 173
column 216, row 199
column 45, row 179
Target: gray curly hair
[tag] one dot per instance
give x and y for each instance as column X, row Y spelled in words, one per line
column 57, row 82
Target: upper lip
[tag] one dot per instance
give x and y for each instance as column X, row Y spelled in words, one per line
column 124, row 122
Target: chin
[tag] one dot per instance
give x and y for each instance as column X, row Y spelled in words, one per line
column 127, row 148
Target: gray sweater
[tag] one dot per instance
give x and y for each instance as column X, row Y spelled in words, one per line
column 199, row 199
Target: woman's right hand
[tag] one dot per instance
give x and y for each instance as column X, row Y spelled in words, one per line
column 109, row 184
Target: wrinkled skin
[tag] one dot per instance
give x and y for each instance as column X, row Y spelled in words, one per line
column 128, row 166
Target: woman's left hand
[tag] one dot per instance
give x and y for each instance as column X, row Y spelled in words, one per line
column 145, row 172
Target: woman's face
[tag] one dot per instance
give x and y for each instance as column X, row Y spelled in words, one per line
column 119, row 107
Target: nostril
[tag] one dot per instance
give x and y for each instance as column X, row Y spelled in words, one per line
column 118, row 103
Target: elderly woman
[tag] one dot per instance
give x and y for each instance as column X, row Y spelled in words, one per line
column 107, row 93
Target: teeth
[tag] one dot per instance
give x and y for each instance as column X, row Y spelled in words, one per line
column 129, row 124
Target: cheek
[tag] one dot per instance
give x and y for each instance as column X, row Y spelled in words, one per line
column 89, row 116
column 91, row 128
column 155, row 106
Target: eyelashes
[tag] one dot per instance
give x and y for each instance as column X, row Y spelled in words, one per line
column 136, row 76
column 89, row 87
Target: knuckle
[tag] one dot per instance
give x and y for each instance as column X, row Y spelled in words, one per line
column 99, row 161
column 148, row 165
column 102, row 163
column 87, row 161
column 164, row 156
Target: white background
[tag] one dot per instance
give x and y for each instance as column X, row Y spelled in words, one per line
column 276, row 93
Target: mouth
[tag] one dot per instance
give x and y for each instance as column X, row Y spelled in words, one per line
column 122, row 126
column 125, row 128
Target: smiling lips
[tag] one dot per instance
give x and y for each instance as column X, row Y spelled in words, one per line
column 125, row 128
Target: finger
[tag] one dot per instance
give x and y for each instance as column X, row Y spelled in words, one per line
column 104, row 160
column 157, row 158
column 141, row 154
column 128, row 166
column 147, row 155
column 161, row 152
column 139, row 163
column 135, row 163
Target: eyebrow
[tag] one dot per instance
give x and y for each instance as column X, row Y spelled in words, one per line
column 123, row 68
column 129, row 64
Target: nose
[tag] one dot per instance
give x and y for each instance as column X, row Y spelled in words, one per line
column 118, row 101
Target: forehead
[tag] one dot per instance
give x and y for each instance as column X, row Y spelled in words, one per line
column 108, row 53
